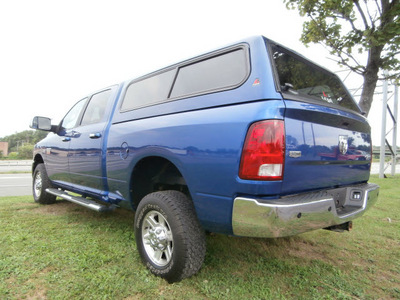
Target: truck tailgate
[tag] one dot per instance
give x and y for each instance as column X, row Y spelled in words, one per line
column 325, row 147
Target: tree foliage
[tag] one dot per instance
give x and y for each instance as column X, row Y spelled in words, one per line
column 351, row 27
column 25, row 151
column 21, row 142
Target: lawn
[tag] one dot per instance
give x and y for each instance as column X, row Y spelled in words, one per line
column 65, row 251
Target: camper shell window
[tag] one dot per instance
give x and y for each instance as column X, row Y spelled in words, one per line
column 218, row 72
column 212, row 73
column 148, row 91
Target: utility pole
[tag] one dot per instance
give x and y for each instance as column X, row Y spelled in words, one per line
column 395, row 118
column 384, row 142
column 383, row 131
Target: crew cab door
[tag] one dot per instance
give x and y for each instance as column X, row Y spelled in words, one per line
column 86, row 145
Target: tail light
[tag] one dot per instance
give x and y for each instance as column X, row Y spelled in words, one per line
column 263, row 153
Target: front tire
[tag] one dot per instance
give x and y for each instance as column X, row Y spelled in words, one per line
column 168, row 235
column 39, row 185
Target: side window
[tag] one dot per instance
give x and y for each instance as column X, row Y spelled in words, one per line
column 96, row 108
column 71, row 118
column 148, row 91
column 218, row 72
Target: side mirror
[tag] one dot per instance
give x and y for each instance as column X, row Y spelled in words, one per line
column 41, row 123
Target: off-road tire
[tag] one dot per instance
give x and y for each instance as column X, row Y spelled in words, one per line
column 173, row 213
column 40, row 182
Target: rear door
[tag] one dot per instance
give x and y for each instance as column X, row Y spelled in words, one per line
column 328, row 141
column 86, row 145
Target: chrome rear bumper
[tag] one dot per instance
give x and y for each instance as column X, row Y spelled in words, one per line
column 300, row 213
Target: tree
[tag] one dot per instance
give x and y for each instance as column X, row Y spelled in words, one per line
column 18, row 139
column 25, row 151
column 348, row 27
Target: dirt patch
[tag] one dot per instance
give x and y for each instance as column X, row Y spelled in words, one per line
column 62, row 207
column 11, row 282
column 23, row 205
column 38, row 294
column 305, row 250
column 135, row 297
column 58, row 208
column 125, row 213
column 37, row 280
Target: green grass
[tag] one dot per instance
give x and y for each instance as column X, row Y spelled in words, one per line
column 16, row 172
column 64, row 251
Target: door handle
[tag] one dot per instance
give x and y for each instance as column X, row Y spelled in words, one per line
column 95, row 135
column 66, row 139
column 75, row 133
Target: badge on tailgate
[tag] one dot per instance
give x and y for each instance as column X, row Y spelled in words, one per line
column 343, row 144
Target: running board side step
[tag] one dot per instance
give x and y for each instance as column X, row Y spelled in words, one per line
column 81, row 201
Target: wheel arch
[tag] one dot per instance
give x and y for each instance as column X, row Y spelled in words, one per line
column 38, row 159
column 155, row 173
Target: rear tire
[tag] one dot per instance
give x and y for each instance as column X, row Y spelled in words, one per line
column 39, row 185
column 169, row 237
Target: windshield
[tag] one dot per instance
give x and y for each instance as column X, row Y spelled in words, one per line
column 303, row 78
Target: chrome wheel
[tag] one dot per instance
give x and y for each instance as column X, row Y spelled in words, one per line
column 168, row 235
column 37, row 185
column 40, row 182
column 157, row 238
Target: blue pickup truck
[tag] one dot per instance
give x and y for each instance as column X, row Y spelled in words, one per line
column 249, row 140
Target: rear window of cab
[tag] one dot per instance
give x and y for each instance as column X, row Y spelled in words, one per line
column 221, row 71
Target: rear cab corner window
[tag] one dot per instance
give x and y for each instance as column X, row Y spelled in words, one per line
column 207, row 74
column 299, row 79
column 96, row 108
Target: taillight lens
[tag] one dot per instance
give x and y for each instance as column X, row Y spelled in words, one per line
column 263, row 154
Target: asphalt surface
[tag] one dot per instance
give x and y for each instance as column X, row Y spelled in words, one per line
column 15, row 184
column 20, row 184
column 15, row 166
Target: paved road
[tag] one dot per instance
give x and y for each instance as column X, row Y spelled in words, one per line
column 15, row 184
column 15, row 166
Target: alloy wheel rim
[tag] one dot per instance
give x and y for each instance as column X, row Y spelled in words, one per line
column 38, row 184
column 157, row 238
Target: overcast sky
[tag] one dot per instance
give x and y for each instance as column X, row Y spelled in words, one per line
column 53, row 53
